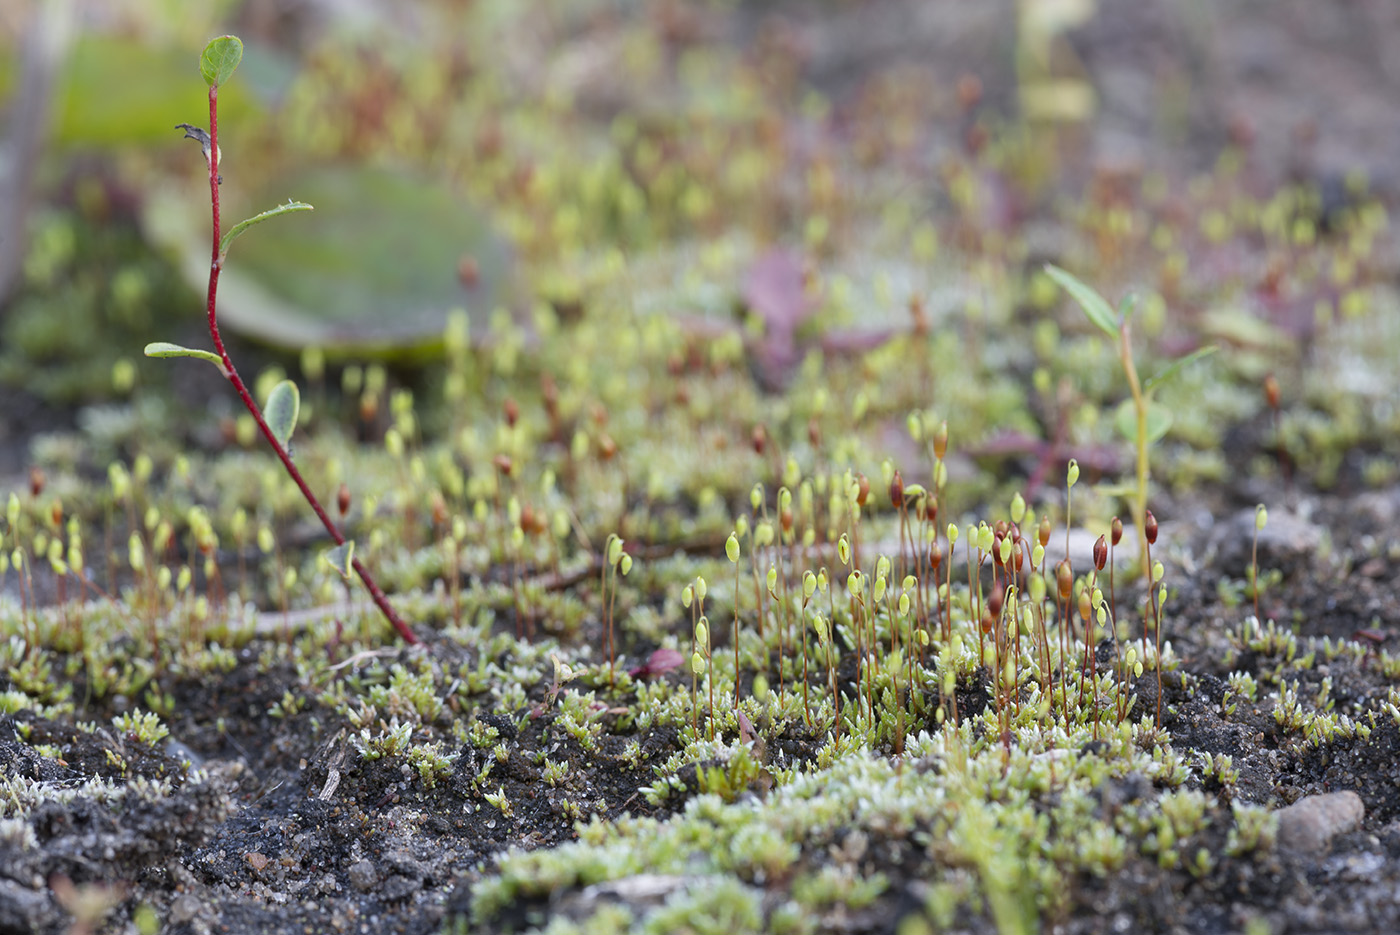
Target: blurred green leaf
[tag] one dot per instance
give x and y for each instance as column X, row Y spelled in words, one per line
column 1173, row 368
column 120, row 91
column 220, row 60
column 1095, row 307
column 1159, row 420
column 375, row 267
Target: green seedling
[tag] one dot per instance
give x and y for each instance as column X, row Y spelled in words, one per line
column 277, row 419
column 1139, row 418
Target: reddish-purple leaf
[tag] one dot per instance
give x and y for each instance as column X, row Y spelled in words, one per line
column 776, row 291
column 659, row 662
column 746, row 732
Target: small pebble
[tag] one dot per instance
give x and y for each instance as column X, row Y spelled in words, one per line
column 1309, row 825
column 184, row 908
column 363, row 876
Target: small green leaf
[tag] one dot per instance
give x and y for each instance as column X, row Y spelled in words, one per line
column 1095, row 307
column 1127, row 307
column 1121, row 489
column 1159, row 420
column 281, row 411
column 342, row 557
column 220, row 59
column 243, row 225
column 166, row 349
column 1175, row 367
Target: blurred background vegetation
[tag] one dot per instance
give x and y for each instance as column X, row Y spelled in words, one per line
column 502, row 157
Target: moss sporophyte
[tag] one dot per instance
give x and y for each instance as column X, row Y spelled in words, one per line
column 278, row 417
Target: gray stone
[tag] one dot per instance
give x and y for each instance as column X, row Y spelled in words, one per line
column 1309, row 825
column 185, row 907
column 25, row 910
column 363, row 876
column 1288, row 542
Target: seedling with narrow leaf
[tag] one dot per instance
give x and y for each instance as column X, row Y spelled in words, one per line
column 277, row 419
column 1139, row 419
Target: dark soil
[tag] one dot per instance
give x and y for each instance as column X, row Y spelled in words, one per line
column 266, row 840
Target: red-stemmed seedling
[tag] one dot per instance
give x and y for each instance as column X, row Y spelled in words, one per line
column 278, row 418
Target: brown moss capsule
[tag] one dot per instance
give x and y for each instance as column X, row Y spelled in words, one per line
column 607, row 448
column 56, row 513
column 897, row 490
column 863, row 494
column 342, row 499
column 931, row 509
column 1086, row 605
column 1020, row 554
column 759, row 439
column 814, row 433
column 935, row 556
column 549, row 391
column 918, row 317
column 940, row 441
column 1101, row 552
column 512, row 412
column 1043, row 533
column 1115, row 530
column 440, row 515
column 503, row 464
column 468, row 272
column 37, row 480
column 1149, row 528
column 1271, row 391
column 995, row 600
column 532, row 521
column 786, row 519
column 1064, row 579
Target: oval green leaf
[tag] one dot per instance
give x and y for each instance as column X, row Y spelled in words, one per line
column 1159, row 420
column 1095, row 307
column 166, row 349
column 283, row 404
column 154, row 83
column 342, row 558
column 220, row 60
column 376, row 268
column 1175, row 367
